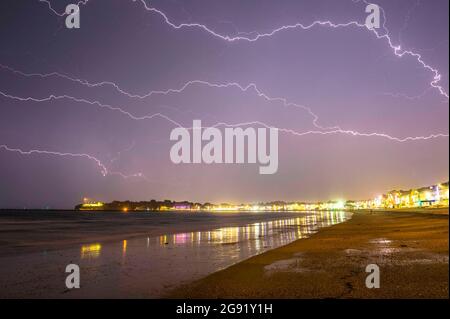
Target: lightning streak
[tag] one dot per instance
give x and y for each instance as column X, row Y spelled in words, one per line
column 62, row 14
column 340, row 131
column 242, row 88
column 397, row 49
column 95, row 103
column 249, row 37
column 290, row 131
column 103, row 168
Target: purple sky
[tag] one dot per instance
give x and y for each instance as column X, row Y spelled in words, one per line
column 345, row 75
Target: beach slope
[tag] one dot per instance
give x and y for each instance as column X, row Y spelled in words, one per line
column 410, row 249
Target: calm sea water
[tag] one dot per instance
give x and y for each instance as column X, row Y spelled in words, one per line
column 136, row 255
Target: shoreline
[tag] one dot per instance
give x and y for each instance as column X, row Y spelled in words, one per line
column 150, row 267
column 13, row 244
column 45, row 236
column 409, row 246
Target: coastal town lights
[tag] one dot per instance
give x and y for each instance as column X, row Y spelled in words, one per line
column 431, row 196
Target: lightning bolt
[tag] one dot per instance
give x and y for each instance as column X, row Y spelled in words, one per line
column 396, row 49
column 242, row 88
column 340, row 131
column 248, row 37
column 62, row 14
column 259, row 93
column 95, row 103
column 102, row 167
column 152, row 116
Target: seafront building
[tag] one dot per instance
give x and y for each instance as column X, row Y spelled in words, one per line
column 432, row 196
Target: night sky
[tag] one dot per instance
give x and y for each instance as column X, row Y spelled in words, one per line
column 79, row 97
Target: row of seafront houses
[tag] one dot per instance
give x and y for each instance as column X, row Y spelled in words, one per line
column 431, row 196
column 428, row 197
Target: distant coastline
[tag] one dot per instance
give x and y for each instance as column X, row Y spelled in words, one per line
column 434, row 196
column 428, row 197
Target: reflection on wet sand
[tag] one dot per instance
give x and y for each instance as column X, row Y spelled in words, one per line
column 254, row 238
column 91, row 251
column 124, row 247
column 149, row 266
column 286, row 229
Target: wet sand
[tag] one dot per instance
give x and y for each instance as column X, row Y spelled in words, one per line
column 410, row 248
column 31, row 231
column 144, row 266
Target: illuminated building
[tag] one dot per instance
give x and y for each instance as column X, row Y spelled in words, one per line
column 92, row 206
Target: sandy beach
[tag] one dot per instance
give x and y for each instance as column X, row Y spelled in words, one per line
column 410, row 248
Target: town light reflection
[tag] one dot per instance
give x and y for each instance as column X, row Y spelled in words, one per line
column 210, row 250
column 261, row 234
column 124, row 246
column 91, row 250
